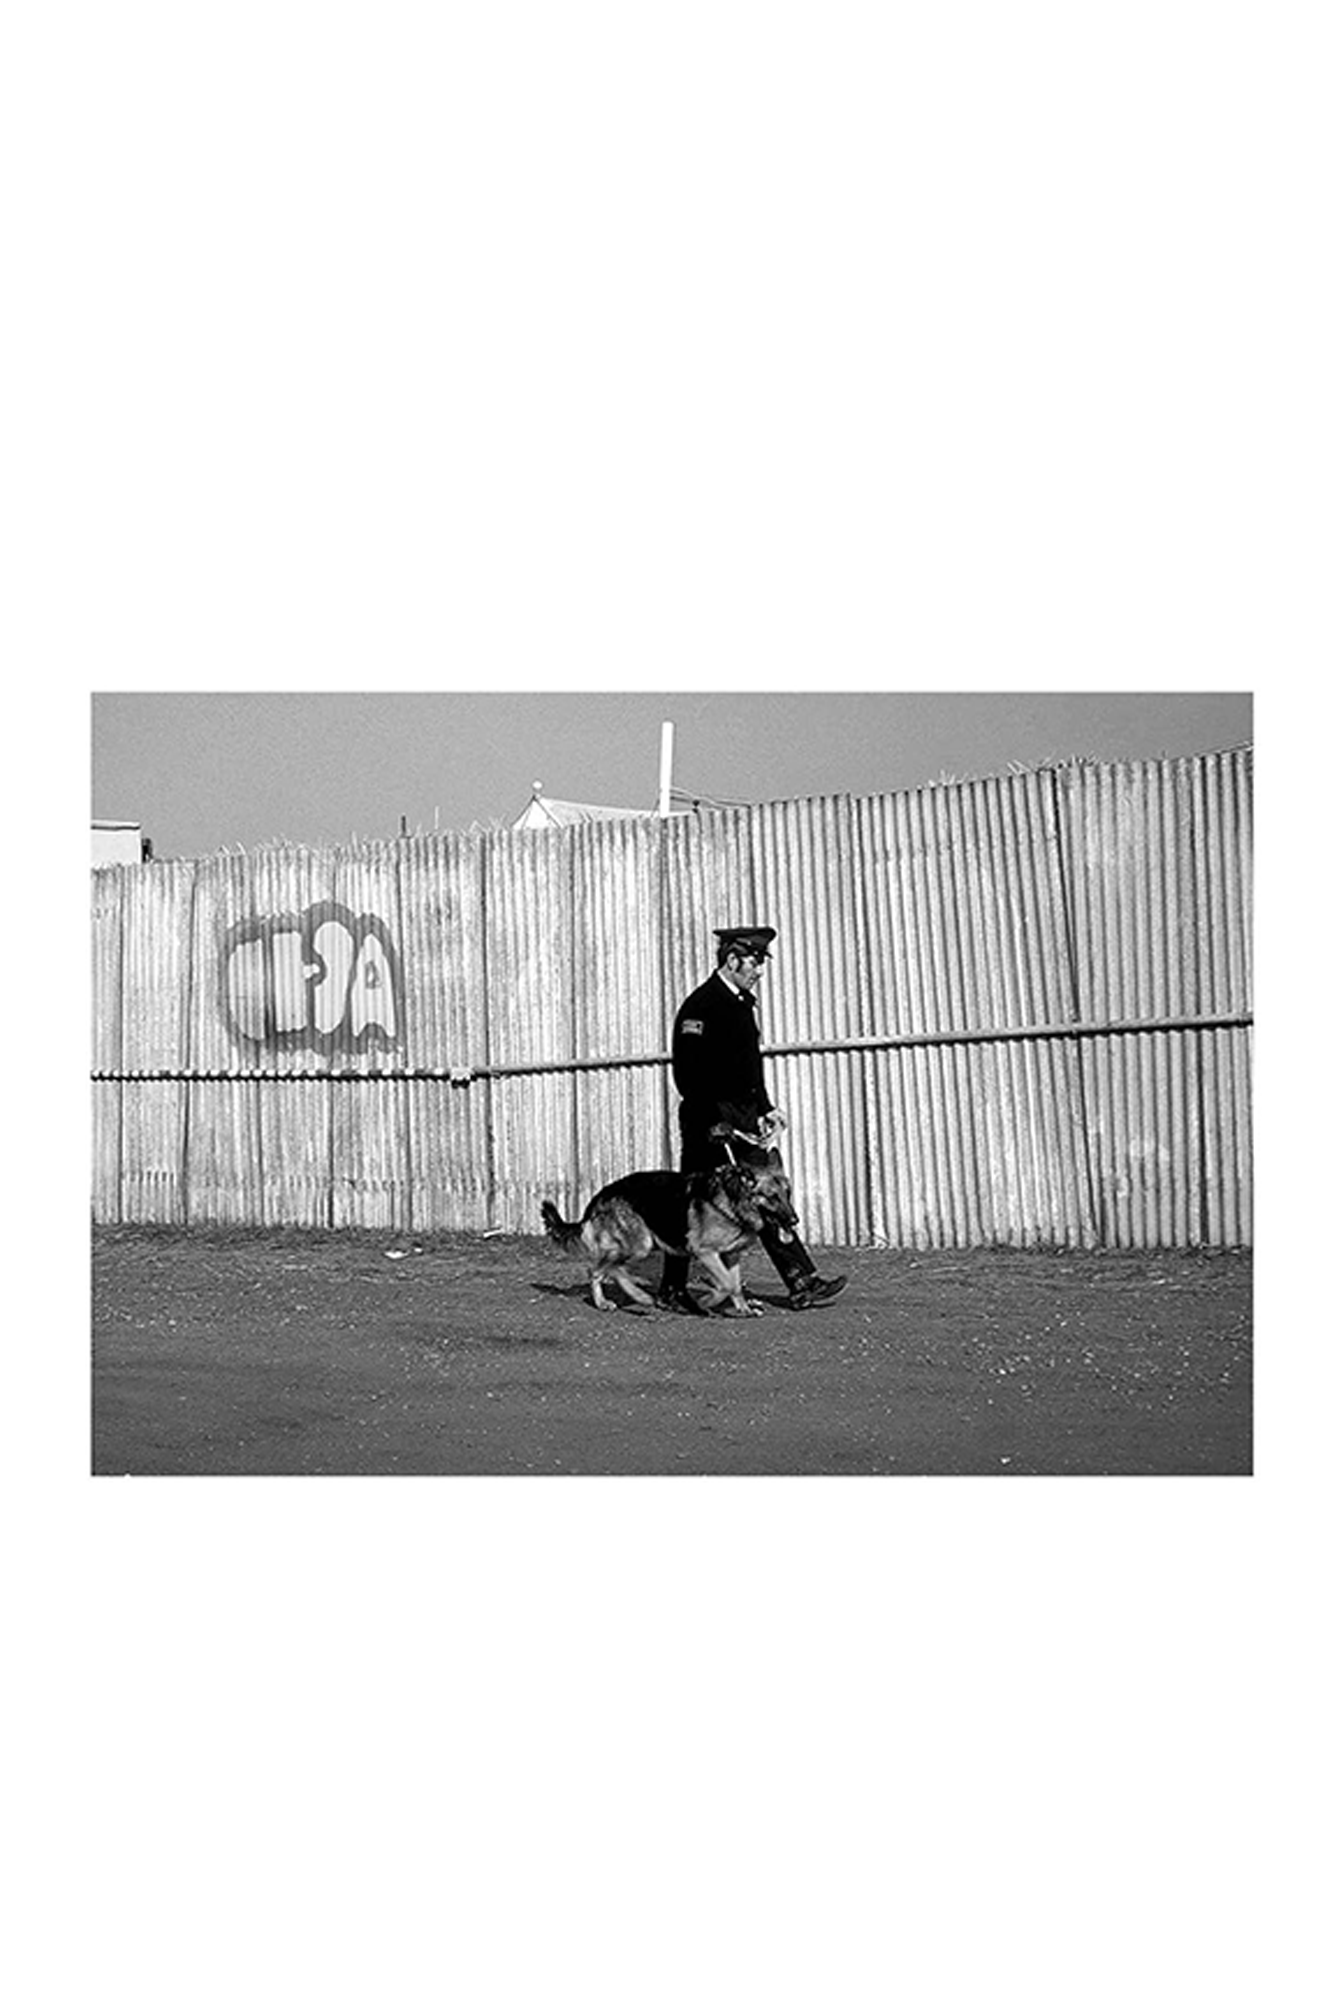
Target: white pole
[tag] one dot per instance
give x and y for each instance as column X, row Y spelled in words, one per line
column 664, row 771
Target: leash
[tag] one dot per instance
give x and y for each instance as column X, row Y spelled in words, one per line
column 726, row 1133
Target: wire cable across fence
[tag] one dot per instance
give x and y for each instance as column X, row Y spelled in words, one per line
column 462, row 1076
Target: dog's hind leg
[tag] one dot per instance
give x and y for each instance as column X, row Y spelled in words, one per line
column 599, row 1298
column 631, row 1287
column 620, row 1237
column 611, row 1265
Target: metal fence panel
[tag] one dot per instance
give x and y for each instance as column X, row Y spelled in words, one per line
column 154, row 1013
column 444, row 967
column 108, row 935
column 1158, row 856
column 530, row 999
column 619, row 1111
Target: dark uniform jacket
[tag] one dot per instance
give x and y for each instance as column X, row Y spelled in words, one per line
column 716, row 1063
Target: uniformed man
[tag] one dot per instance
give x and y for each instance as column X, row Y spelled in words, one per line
column 718, row 1070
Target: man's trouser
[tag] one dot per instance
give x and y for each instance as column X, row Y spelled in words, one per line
column 698, row 1154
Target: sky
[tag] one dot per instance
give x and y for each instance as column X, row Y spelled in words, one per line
column 203, row 771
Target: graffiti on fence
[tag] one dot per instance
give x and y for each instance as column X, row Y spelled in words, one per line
column 327, row 980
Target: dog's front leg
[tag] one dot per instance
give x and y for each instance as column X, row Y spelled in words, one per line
column 732, row 1260
column 729, row 1297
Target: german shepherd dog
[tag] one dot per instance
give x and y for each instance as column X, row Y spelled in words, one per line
column 715, row 1216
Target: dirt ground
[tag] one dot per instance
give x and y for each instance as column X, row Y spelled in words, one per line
column 288, row 1352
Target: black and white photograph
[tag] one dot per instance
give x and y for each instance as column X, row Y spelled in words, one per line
column 665, row 1304
column 781, row 1084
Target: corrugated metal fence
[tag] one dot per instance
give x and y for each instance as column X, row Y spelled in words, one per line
column 1014, row 1010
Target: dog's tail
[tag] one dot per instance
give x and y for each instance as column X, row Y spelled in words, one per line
column 566, row 1234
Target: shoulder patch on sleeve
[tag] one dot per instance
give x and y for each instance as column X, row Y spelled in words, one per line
column 691, row 1027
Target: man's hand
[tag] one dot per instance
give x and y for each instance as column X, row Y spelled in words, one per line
column 771, row 1125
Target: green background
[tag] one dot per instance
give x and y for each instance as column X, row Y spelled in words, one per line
column 589, row 323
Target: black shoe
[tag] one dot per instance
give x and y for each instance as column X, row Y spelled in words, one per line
column 681, row 1302
column 807, row 1292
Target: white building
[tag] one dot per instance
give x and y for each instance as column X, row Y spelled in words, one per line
column 117, row 840
column 541, row 812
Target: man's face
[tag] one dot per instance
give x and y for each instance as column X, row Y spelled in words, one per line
column 746, row 970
